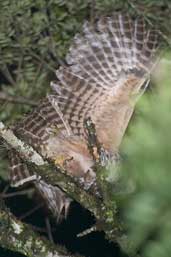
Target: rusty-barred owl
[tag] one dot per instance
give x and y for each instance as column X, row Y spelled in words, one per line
column 108, row 67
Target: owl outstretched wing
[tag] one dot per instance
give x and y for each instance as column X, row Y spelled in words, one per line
column 108, row 67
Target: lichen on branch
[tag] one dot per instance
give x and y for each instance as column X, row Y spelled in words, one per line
column 19, row 237
column 104, row 212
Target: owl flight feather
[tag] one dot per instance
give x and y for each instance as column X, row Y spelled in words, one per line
column 108, row 68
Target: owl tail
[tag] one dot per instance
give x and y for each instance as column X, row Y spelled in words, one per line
column 54, row 198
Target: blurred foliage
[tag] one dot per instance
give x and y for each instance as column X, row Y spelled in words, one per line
column 148, row 164
column 34, row 38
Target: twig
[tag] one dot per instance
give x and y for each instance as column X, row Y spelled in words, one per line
column 19, row 67
column 8, row 195
column 30, row 212
column 18, row 99
column 92, row 11
column 36, row 56
column 49, row 230
column 8, row 75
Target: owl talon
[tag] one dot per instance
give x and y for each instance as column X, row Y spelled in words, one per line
column 89, row 179
column 107, row 157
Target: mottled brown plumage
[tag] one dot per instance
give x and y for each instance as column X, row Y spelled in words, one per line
column 108, row 67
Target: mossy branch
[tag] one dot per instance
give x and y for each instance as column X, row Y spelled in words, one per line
column 19, row 237
column 104, row 212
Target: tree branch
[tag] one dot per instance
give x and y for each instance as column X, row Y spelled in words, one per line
column 19, row 237
column 104, row 210
column 27, row 152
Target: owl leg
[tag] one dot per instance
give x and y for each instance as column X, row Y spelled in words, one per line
column 49, row 230
column 106, row 157
column 55, row 199
column 88, row 179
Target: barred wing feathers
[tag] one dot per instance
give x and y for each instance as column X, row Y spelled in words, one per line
column 108, row 68
column 36, row 127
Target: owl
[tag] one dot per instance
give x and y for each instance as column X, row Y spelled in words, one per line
column 107, row 69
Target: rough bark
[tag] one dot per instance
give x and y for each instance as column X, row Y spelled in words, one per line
column 104, row 209
column 19, row 237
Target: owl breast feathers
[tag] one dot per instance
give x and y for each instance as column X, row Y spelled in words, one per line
column 108, row 68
